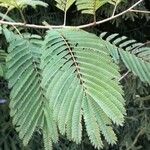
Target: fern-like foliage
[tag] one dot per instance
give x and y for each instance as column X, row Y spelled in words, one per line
column 11, row 4
column 135, row 55
column 69, row 77
column 3, row 56
column 86, row 7
column 64, row 5
column 91, row 6
column 81, row 80
column 29, row 106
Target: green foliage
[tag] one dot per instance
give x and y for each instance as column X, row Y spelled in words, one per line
column 11, row 4
column 120, row 22
column 75, row 70
column 135, row 57
column 64, row 5
column 136, row 65
column 2, row 62
column 27, row 96
column 92, row 6
column 76, row 77
column 66, row 84
column 69, row 75
column 88, row 7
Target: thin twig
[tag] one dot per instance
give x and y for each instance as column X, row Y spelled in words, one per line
column 12, row 24
column 112, row 17
column 94, row 12
column 65, row 17
column 62, row 26
column 114, row 10
column 17, row 31
column 136, row 139
column 65, row 14
column 122, row 77
column 146, row 98
column 22, row 16
column 5, row 14
column 140, row 11
column 34, row 25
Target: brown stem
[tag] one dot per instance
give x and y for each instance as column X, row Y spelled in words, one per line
column 62, row 26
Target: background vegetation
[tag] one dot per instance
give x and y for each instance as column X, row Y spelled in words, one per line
column 135, row 134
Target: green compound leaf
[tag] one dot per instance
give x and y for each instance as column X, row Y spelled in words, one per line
column 81, row 79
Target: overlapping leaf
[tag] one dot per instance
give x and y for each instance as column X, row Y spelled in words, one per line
column 91, row 6
column 2, row 62
column 135, row 55
column 72, row 77
column 87, row 7
column 28, row 104
column 81, row 80
column 11, row 4
column 64, row 5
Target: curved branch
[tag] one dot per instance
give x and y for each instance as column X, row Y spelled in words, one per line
column 112, row 17
column 62, row 26
column 140, row 11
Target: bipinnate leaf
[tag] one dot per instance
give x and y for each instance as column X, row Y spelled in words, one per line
column 135, row 56
column 28, row 105
column 81, row 79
